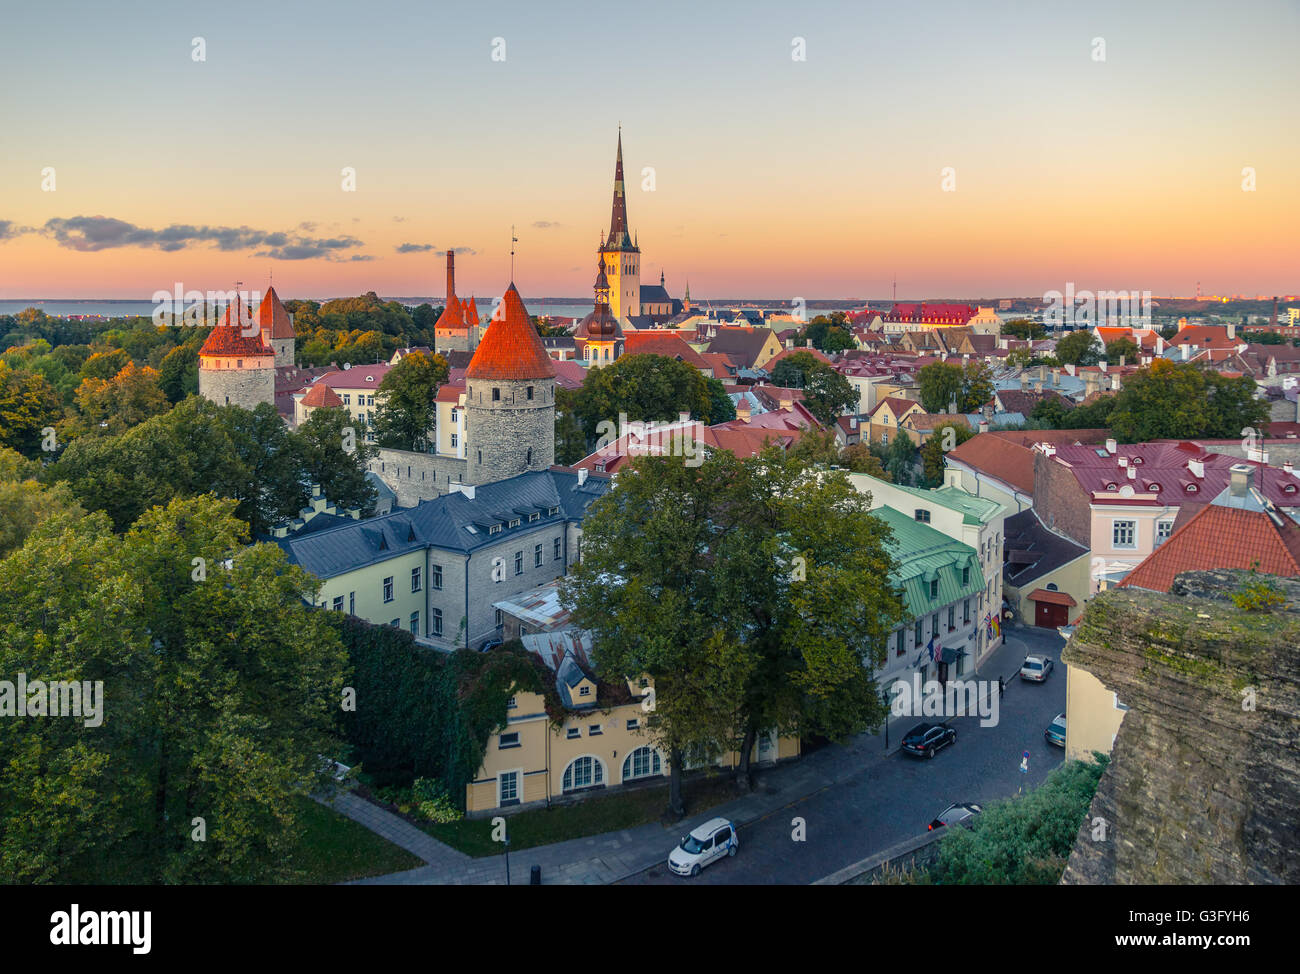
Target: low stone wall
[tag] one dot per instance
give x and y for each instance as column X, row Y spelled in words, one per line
column 919, row 852
column 416, row 477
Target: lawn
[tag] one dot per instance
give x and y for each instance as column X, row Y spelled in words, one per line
column 335, row 849
column 606, row 813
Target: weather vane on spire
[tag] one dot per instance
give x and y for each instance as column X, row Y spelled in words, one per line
column 513, row 240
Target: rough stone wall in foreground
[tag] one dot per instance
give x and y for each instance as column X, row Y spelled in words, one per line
column 1199, row 790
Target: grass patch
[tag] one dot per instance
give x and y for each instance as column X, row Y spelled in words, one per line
column 623, row 809
column 335, row 849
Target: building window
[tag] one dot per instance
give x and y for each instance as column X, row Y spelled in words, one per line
column 917, row 633
column 922, row 515
column 952, row 618
column 934, row 588
column 536, row 515
column 352, row 603
column 508, row 741
column 1123, row 534
column 496, row 395
column 557, row 549
column 453, row 415
column 633, row 724
column 435, row 622
column 498, row 618
column 455, row 441
column 573, row 732
column 584, row 772
column 415, row 623
column 480, row 456
column 594, row 730
column 1163, row 530
column 934, row 624
column 396, row 623
column 519, row 562
column 415, row 579
column 537, row 556
column 347, row 399
column 898, row 643
column 338, row 603
column 965, row 575
column 530, row 392
column 509, row 781
column 965, row 611
column 642, row 763
column 388, row 589
column 435, row 577
column 584, row 691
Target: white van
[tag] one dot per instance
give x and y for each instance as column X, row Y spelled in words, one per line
column 711, row 841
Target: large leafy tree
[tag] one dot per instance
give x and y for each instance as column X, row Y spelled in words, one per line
column 116, row 404
column 1173, row 400
column 649, row 586
column 941, row 386
column 221, row 691
column 934, row 449
column 408, row 409
column 28, row 404
column 804, row 573
column 827, row 394
column 1079, row 348
column 642, row 388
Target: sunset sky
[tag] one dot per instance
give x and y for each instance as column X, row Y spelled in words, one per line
column 773, row 177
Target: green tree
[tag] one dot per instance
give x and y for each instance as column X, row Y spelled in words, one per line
column 570, row 440
column 28, row 404
column 1079, row 348
column 858, row 458
column 941, row 386
column 178, row 375
column 1024, row 328
column 947, row 436
column 901, row 458
column 649, row 589
column 976, row 386
column 721, row 408
column 408, row 409
column 1124, row 348
column 117, row 404
column 643, row 388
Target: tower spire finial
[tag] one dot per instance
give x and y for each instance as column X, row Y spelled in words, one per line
column 513, row 240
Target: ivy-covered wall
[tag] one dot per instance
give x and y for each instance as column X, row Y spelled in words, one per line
column 421, row 713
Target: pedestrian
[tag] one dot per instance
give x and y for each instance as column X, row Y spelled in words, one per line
column 1000, row 687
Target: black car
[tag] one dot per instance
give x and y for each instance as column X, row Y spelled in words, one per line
column 924, row 739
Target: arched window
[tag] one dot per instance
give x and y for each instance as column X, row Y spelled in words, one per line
column 642, row 763
column 583, row 772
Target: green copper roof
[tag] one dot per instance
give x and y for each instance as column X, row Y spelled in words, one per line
column 924, row 554
column 974, row 510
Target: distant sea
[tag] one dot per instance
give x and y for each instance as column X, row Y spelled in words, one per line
column 562, row 307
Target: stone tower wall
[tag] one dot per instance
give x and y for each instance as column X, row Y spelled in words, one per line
column 240, row 387
column 501, row 433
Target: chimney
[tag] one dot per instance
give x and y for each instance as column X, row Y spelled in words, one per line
column 1132, row 473
column 1121, row 360
column 1123, row 462
column 1288, row 468
column 1111, row 446
column 1103, row 365
column 1197, row 468
column 582, row 476
column 1038, row 385
column 984, row 426
column 1186, row 351
column 1024, row 382
column 1069, row 368
column 742, row 410
column 1232, row 330
column 1242, row 479
column 451, row 275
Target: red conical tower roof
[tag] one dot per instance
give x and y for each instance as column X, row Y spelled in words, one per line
column 273, row 318
column 510, row 348
column 229, row 339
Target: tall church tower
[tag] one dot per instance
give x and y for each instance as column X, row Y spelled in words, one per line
column 277, row 328
column 236, row 365
column 509, row 398
column 619, row 252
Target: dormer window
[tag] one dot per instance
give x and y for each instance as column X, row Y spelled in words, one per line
column 514, row 522
column 1111, row 487
column 1192, row 488
column 494, row 529
column 1153, row 488
column 553, row 510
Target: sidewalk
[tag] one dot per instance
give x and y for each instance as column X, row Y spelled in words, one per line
column 607, row 858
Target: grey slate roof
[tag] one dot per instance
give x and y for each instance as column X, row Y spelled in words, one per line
column 1032, row 551
column 452, row 522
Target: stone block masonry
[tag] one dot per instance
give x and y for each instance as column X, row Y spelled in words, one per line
column 416, row 477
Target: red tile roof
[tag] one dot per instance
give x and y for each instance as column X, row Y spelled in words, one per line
column 1054, row 598
column 321, row 395
column 1221, row 537
column 649, row 342
column 229, row 339
column 273, row 318
column 510, row 348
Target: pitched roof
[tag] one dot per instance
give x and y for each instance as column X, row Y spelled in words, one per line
column 1221, row 537
column 321, row 394
column 897, row 405
column 742, row 344
column 229, row 339
column 1032, row 550
column 510, row 348
column 271, row 315
column 663, row 343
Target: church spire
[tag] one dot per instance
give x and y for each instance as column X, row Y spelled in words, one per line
column 618, row 228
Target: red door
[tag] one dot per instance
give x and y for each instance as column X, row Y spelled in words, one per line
column 1049, row 615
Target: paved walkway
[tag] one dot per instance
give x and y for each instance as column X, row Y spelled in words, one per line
column 607, row 858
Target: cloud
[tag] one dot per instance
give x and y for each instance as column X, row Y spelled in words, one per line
column 9, row 230
column 95, row 233
column 410, row 248
column 399, row 219
column 464, row 251
column 545, row 224
column 307, row 225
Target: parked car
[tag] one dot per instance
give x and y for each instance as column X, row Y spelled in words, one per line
column 708, row 843
column 960, row 813
column 1036, row 668
column 490, row 645
column 1055, row 733
column 924, row 740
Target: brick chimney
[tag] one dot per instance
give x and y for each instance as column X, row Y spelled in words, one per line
column 1242, row 479
column 451, row 275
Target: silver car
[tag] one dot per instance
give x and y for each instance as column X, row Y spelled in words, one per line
column 1036, row 668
